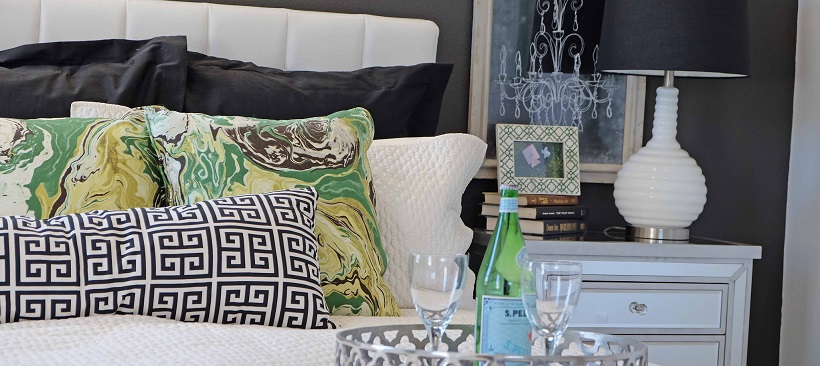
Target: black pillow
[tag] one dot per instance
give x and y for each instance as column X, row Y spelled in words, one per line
column 404, row 100
column 41, row 80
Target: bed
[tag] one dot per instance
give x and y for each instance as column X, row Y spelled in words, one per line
column 417, row 182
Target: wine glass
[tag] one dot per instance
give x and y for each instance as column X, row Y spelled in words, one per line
column 436, row 285
column 550, row 290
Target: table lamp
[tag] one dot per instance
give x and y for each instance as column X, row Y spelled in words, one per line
column 660, row 190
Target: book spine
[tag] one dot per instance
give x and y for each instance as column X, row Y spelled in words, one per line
column 482, row 236
column 560, row 237
column 551, row 200
column 540, row 212
column 559, row 212
column 553, row 227
column 545, row 227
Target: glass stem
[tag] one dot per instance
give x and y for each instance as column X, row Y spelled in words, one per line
column 549, row 345
column 434, row 334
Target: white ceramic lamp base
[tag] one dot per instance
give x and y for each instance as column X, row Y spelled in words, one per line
column 661, row 187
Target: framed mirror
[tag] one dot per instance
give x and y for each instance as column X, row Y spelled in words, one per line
column 534, row 62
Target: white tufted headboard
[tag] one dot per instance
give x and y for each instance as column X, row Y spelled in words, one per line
column 273, row 37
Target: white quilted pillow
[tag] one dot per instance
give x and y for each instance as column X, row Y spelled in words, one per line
column 419, row 183
column 97, row 110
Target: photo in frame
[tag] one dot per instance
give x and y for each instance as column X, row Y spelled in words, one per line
column 539, row 159
column 534, row 63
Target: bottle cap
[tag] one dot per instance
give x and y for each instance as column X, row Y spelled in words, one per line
column 509, row 187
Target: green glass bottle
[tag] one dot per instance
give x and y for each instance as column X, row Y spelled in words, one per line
column 501, row 323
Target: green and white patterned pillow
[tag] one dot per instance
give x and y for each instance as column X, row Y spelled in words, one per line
column 60, row 166
column 206, row 157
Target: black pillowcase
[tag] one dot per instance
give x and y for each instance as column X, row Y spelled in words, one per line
column 41, row 80
column 404, row 100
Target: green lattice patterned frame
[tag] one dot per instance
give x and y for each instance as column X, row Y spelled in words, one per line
column 539, row 159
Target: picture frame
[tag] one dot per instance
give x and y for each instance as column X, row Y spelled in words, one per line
column 622, row 132
column 539, row 159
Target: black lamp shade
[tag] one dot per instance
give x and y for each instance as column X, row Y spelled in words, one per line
column 695, row 38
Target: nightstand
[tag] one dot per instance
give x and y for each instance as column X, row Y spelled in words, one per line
column 688, row 302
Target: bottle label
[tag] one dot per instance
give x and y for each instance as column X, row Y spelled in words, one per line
column 504, row 326
column 508, row 204
column 521, row 256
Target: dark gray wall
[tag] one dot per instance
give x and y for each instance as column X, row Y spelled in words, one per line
column 455, row 21
column 738, row 130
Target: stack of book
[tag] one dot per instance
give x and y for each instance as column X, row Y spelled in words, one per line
column 542, row 216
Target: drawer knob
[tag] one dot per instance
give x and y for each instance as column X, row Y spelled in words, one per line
column 636, row 308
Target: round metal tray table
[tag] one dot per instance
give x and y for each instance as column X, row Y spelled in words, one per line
column 405, row 345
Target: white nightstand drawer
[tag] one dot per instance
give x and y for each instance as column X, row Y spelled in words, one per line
column 695, row 296
column 684, row 350
column 656, row 308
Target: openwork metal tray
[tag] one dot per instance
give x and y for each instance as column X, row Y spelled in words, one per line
column 405, row 345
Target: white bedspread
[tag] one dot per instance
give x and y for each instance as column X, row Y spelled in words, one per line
column 143, row 340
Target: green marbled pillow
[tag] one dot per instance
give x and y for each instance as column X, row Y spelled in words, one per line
column 60, row 166
column 206, row 157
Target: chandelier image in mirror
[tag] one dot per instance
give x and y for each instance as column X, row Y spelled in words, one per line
column 541, row 69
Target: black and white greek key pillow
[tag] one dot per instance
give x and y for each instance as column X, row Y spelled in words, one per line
column 247, row 259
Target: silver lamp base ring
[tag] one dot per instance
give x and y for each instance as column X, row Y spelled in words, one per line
column 656, row 234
